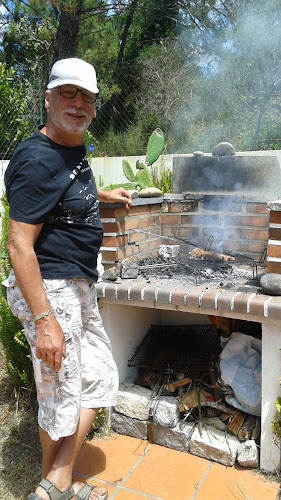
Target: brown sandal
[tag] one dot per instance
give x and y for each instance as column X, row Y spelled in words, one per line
column 85, row 491
column 53, row 492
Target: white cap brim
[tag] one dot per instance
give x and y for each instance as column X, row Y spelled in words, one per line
column 71, row 81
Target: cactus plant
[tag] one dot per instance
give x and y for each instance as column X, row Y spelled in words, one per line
column 128, row 170
column 142, row 178
column 155, row 146
column 125, row 185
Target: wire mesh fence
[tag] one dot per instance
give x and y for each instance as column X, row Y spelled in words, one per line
column 131, row 104
column 117, row 130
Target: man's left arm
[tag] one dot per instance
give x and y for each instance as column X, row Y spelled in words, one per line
column 117, row 195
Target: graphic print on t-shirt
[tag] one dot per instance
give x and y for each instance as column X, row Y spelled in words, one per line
column 79, row 203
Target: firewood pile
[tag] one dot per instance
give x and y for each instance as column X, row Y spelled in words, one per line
column 182, row 362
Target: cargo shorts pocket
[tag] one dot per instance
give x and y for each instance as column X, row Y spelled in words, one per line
column 17, row 304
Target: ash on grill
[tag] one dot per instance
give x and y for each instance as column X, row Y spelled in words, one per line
column 226, row 274
column 182, row 361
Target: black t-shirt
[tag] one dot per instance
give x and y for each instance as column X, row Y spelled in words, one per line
column 54, row 185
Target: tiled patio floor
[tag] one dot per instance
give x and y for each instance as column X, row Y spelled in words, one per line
column 132, row 469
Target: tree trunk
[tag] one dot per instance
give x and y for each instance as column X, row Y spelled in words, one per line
column 116, row 99
column 66, row 39
column 8, row 39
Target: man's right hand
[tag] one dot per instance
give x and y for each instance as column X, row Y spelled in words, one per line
column 50, row 342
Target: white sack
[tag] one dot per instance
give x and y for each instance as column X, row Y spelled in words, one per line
column 240, row 366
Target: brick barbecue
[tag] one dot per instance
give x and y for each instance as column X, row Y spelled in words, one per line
column 247, row 225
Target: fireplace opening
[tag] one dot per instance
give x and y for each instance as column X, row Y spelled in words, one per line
column 179, row 376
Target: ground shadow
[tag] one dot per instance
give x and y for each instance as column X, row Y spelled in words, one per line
column 20, row 446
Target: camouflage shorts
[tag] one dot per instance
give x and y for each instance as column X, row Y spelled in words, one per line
column 89, row 377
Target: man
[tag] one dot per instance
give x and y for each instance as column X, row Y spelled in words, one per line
column 54, row 237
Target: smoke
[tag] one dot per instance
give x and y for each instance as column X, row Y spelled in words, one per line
column 235, row 98
column 223, row 235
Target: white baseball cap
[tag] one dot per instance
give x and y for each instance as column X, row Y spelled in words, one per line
column 73, row 71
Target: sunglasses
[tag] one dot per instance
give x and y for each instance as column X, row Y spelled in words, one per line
column 69, row 91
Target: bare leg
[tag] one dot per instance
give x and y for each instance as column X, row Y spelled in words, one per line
column 49, row 451
column 59, row 456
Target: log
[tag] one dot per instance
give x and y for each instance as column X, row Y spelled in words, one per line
column 246, row 430
column 173, row 385
column 236, row 422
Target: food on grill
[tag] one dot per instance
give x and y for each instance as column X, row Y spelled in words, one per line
column 200, row 254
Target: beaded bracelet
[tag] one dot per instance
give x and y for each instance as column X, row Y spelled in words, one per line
column 39, row 316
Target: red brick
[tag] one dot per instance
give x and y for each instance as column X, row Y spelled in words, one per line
column 250, row 246
column 227, row 220
column 257, row 208
column 138, row 210
column 114, row 241
column 274, row 233
column 274, row 267
column 136, row 237
column 110, row 290
column 274, row 308
column 241, row 301
column 202, row 219
column 109, row 255
column 189, row 232
column 122, row 290
column 130, row 250
column 186, row 220
column 209, row 297
column 149, row 294
column 120, row 225
column 256, row 234
column 219, row 234
column 192, row 296
column 255, row 221
column 170, row 232
column 114, row 212
column 188, row 206
column 149, row 221
column 274, row 250
column 170, row 219
column 225, row 300
column 148, row 246
column 106, row 213
column 111, row 227
column 155, row 209
column 275, row 217
column 257, row 305
column 120, row 253
column 136, row 291
column 165, row 293
column 178, row 297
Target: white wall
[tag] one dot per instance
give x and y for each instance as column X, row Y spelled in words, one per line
column 109, row 169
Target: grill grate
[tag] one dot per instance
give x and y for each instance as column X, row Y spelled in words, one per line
column 187, row 348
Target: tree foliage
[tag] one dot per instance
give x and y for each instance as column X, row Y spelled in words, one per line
column 202, row 71
column 16, row 348
column 15, row 118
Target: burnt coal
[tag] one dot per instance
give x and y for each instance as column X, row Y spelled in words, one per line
column 227, row 275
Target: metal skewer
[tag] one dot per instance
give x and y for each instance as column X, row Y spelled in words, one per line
column 187, row 242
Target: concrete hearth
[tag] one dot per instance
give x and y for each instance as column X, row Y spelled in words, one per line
column 128, row 320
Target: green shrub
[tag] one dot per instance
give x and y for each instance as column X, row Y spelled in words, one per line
column 163, row 180
column 16, row 348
